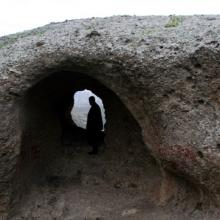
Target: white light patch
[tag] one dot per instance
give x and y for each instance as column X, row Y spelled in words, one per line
column 19, row 15
column 81, row 107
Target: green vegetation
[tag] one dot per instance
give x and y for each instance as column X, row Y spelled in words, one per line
column 174, row 21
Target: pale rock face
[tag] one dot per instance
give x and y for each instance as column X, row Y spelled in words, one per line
column 81, row 107
column 165, row 72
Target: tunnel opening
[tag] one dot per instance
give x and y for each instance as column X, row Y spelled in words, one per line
column 81, row 108
column 56, row 178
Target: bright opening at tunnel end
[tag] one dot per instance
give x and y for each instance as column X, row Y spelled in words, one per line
column 81, row 107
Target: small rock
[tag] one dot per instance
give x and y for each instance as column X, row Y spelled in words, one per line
column 93, row 34
column 40, row 43
column 129, row 212
column 117, row 185
column 12, row 70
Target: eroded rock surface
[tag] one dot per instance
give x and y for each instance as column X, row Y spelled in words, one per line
column 166, row 75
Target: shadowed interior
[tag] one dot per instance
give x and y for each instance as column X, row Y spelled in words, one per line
column 54, row 150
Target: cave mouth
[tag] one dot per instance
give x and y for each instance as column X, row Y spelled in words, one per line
column 56, row 178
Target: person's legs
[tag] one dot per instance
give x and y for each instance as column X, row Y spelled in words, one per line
column 93, row 141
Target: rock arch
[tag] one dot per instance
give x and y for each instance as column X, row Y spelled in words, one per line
column 166, row 76
column 48, row 137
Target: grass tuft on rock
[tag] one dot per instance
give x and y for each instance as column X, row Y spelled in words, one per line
column 174, row 21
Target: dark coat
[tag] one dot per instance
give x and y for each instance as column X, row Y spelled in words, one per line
column 94, row 119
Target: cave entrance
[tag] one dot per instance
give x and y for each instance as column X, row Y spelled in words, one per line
column 57, row 178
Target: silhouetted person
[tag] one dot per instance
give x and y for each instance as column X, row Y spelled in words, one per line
column 94, row 125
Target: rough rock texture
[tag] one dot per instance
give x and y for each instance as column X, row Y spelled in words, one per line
column 166, row 74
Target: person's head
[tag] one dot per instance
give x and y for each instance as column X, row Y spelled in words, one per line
column 91, row 100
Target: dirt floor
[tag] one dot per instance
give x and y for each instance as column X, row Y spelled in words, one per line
column 113, row 186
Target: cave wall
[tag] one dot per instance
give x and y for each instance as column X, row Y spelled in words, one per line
column 168, row 78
